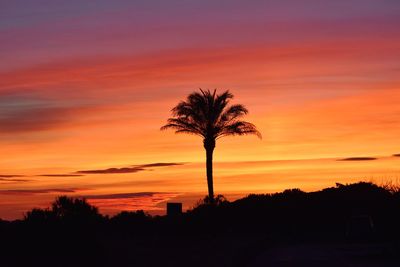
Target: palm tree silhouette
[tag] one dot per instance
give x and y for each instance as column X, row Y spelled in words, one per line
column 210, row 116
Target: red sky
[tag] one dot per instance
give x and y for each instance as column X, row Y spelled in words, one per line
column 87, row 86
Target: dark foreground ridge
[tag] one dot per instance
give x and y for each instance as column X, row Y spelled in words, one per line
column 347, row 225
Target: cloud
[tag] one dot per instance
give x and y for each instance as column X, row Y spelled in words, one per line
column 159, row 164
column 14, row 180
column 36, row 110
column 135, row 168
column 112, row 171
column 114, row 203
column 122, row 195
column 358, row 159
column 396, row 155
column 38, row 191
column 32, row 119
column 61, row 175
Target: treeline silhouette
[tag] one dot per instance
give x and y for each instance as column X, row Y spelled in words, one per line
column 214, row 233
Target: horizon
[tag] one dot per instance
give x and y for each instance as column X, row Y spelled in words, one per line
column 85, row 88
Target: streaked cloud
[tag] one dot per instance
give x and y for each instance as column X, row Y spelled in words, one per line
column 112, row 171
column 121, row 195
column 159, row 164
column 358, row 159
column 114, row 203
column 14, row 180
column 61, row 175
column 136, row 168
column 39, row 191
column 25, row 111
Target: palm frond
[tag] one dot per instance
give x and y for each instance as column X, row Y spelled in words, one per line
column 209, row 115
column 239, row 128
column 231, row 113
column 179, row 124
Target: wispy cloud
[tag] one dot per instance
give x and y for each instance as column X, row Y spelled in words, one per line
column 38, row 191
column 358, row 159
column 29, row 118
column 121, row 195
column 10, row 175
column 61, row 175
column 149, row 201
column 112, row 171
column 159, row 164
column 13, row 178
column 135, row 168
column 25, row 111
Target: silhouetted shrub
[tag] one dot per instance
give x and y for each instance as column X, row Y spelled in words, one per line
column 39, row 215
column 65, row 209
column 74, row 209
column 207, row 202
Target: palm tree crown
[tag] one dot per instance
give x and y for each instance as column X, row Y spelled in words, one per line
column 209, row 115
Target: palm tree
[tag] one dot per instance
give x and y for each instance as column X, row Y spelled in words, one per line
column 210, row 116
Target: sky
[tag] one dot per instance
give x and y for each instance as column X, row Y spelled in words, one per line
column 86, row 85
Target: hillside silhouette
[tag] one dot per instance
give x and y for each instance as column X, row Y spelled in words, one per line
column 358, row 221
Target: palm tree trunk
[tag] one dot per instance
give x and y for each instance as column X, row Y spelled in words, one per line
column 209, row 145
column 209, row 165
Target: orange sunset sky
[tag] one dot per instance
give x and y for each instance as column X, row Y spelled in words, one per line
column 85, row 87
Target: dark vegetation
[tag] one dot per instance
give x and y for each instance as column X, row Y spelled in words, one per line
column 214, row 233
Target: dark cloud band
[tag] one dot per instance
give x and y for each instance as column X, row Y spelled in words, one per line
column 38, row 191
column 61, row 175
column 358, row 159
column 135, row 168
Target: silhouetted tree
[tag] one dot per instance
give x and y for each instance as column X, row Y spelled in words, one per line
column 218, row 200
column 39, row 215
column 64, row 208
column 210, row 116
column 74, row 208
